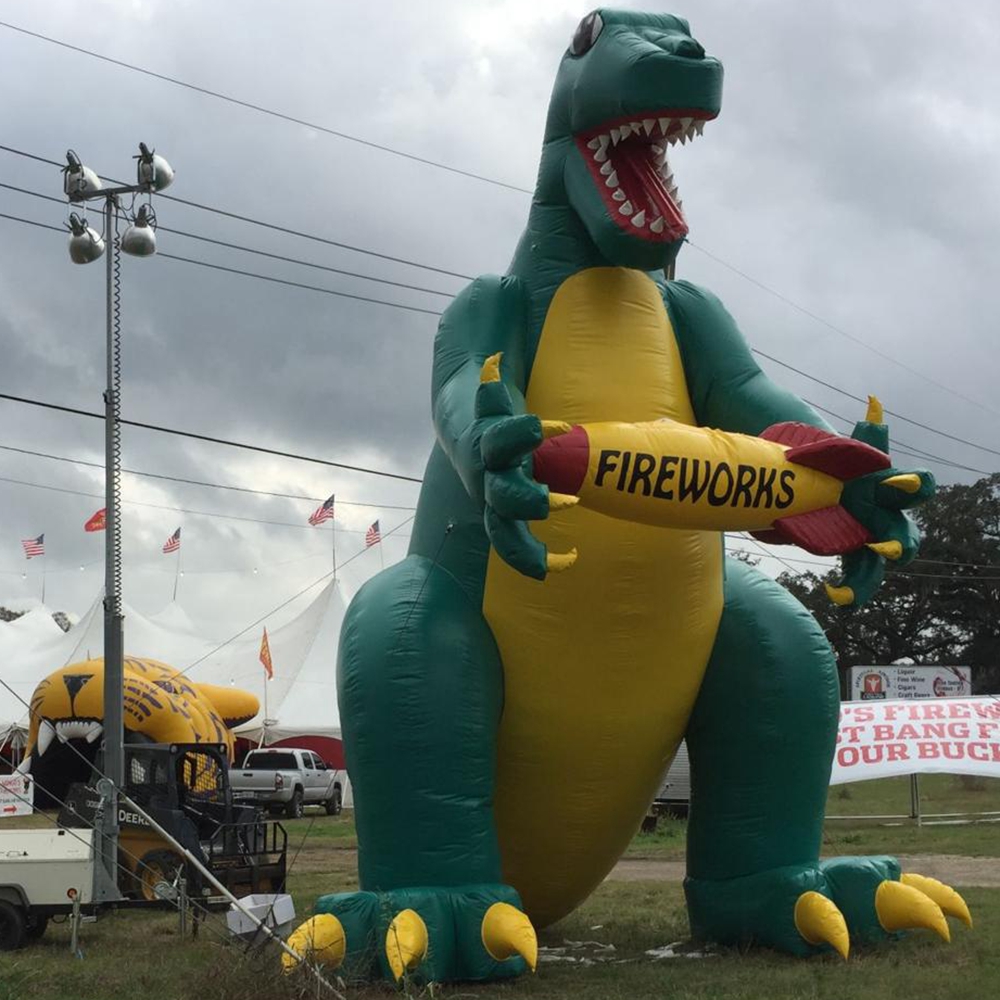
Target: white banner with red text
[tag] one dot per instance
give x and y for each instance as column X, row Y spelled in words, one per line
column 881, row 739
column 16, row 795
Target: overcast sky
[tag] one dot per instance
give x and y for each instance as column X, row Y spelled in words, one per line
column 853, row 170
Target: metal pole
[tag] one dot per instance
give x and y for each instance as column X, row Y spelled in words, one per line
column 915, row 798
column 114, row 752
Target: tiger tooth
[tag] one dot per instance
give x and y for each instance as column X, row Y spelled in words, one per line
column 46, row 733
column 612, row 181
column 618, row 194
column 639, row 219
column 648, row 124
column 626, row 209
column 601, row 155
column 656, row 225
column 606, row 168
column 665, row 125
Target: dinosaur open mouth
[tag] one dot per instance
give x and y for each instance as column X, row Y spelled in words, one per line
column 627, row 159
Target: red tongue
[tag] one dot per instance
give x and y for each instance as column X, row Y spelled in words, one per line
column 644, row 187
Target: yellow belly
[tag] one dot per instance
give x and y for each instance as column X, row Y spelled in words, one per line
column 602, row 663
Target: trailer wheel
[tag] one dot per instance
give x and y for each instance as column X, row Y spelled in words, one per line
column 294, row 808
column 35, row 927
column 334, row 803
column 156, row 867
column 12, row 924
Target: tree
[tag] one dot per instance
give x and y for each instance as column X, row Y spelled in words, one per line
column 942, row 608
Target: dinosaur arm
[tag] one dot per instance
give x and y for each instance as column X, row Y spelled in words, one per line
column 484, row 319
column 727, row 387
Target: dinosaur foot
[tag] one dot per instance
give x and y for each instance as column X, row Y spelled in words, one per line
column 471, row 932
column 806, row 909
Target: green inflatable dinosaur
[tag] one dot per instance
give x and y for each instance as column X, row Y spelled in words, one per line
column 506, row 726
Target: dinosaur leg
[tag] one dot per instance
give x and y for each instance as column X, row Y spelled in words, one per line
column 761, row 741
column 420, row 690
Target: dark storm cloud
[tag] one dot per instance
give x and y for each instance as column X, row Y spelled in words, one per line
column 852, row 169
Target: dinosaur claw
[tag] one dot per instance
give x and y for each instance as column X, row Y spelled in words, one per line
column 320, row 939
column 562, row 501
column 819, row 921
column 874, row 413
column 908, row 482
column 553, row 428
column 945, row 896
column 900, row 906
column 842, row 596
column 891, row 550
column 506, row 931
column 556, row 562
column 490, row 372
column 405, row 942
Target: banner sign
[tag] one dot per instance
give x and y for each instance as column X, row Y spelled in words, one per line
column 897, row 681
column 17, row 793
column 880, row 739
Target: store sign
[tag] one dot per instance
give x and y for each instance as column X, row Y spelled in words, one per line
column 898, row 681
column 880, row 739
column 17, row 795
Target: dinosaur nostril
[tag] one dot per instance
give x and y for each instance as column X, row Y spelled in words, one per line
column 689, row 48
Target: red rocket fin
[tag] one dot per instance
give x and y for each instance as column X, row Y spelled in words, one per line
column 830, row 531
column 842, row 457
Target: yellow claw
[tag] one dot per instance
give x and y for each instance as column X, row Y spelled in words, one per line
column 490, row 372
column 819, row 921
column 556, row 562
column 840, row 595
column 405, row 942
column 947, row 898
column 562, row 501
column 320, row 939
column 900, row 906
column 908, row 482
column 874, row 413
column 891, row 550
column 553, row 428
column 507, row 931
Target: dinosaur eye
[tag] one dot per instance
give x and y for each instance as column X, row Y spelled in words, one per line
column 586, row 34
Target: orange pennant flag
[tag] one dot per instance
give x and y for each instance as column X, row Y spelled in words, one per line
column 97, row 522
column 265, row 656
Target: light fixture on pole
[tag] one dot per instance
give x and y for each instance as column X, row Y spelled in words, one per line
column 81, row 184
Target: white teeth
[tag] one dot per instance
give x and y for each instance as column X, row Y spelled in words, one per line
column 612, row 181
column 626, row 209
column 615, row 136
column 78, row 729
column 665, row 125
column 680, row 205
column 606, row 168
column 639, row 219
column 686, row 124
column 657, row 224
column 699, row 126
column 594, row 143
column 601, row 155
column 635, row 127
column 45, row 736
column 672, row 139
column 648, row 124
column 618, row 194
column 95, row 732
column 656, row 149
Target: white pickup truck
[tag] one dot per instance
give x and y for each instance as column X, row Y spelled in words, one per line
column 287, row 779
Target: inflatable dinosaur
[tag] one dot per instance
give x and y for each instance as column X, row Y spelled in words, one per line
column 506, row 725
column 160, row 706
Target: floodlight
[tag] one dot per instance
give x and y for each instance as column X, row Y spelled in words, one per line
column 140, row 238
column 78, row 180
column 84, row 244
column 155, row 173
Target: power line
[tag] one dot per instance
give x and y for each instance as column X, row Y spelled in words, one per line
column 213, row 440
column 201, row 482
column 254, row 250
column 257, row 222
column 268, row 111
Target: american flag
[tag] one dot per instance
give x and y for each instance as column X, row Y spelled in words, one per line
column 33, row 546
column 173, row 543
column 323, row 512
column 372, row 536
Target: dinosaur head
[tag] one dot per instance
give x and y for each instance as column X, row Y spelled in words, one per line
column 631, row 89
